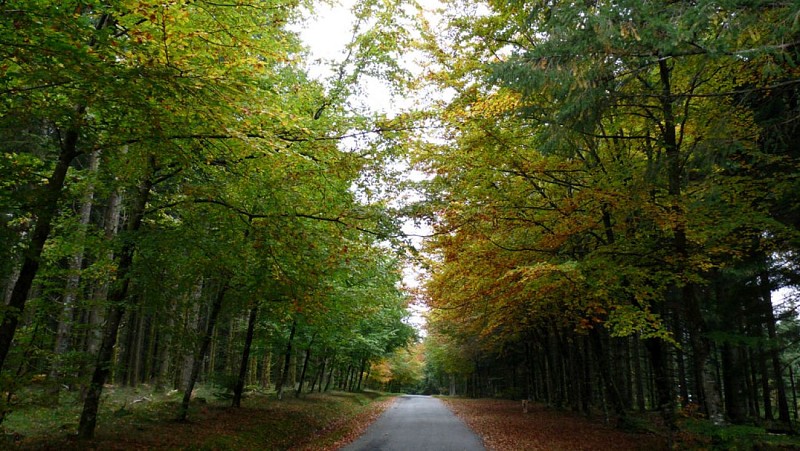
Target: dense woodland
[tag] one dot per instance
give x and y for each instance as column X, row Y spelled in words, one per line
column 611, row 187
column 177, row 205
column 615, row 202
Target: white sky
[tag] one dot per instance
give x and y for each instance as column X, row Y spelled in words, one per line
column 327, row 35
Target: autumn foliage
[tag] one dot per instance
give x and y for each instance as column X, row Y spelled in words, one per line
column 613, row 200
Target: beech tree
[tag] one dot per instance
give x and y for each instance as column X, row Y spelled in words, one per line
column 176, row 157
column 598, row 180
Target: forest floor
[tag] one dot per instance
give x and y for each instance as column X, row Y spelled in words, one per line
column 313, row 422
column 137, row 419
column 503, row 426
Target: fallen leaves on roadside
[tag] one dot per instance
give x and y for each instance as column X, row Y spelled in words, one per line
column 348, row 429
column 504, row 427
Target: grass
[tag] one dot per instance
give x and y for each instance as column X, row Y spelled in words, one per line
column 140, row 419
column 697, row 433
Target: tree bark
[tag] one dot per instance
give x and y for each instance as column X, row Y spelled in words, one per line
column 248, row 341
column 116, row 298
column 266, row 372
column 64, row 330
column 733, row 374
column 794, row 391
column 45, row 213
column 766, row 394
column 662, row 377
column 638, row 374
column 192, row 326
column 216, row 306
column 604, row 365
column 163, row 351
column 97, row 312
column 361, row 373
column 774, row 352
column 286, row 362
column 706, row 390
column 752, row 376
column 320, row 376
column 330, row 373
column 303, row 372
column 139, row 350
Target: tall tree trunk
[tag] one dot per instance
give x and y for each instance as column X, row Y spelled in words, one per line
column 45, row 213
column 97, row 310
column 124, row 351
column 361, row 373
column 347, row 382
column 680, row 357
column 774, row 351
column 626, row 365
column 366, row 375
column 588, row 374
column 292, row 381
column 753, row 378
column 163, row 351
column 320, row 376
column 706, row 390
column 794, row 391
column 266, row 372
column 192, row 325
column 229, row 357
column 330, row 373
column 212, row 353
column 303, row 372
column 248, row 341
column 344, row 377
column 662, row 380
column 9, row 284
column 64, row 330
column 606, row 374
column 216, row 306
column 139, row 350
column 575, row 379
column 638, row 375
column 733, row 371
column 149, row 366
column 116, row 299
column 733, row 374
column 287, row 360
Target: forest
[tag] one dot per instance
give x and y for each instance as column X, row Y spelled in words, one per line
column 615, row 206
column 609, row 187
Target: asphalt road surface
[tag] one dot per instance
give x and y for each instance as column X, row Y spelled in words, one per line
column 417, row 423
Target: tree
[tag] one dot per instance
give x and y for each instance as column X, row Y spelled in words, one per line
column 225, row 157
column 589, row 187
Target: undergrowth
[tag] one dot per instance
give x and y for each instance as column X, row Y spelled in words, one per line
column 696, row 433
column 142, row 419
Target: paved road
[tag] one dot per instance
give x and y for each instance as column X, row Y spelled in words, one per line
column 417, row 423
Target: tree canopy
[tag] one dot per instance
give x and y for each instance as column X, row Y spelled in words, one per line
column 173, row 181
column 607, row 171
column 611, row 188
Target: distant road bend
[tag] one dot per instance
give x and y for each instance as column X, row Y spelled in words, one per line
column 417, row 423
